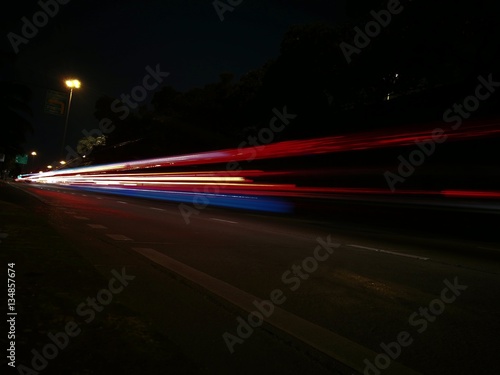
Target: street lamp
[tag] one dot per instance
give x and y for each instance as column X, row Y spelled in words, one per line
column 72, row 84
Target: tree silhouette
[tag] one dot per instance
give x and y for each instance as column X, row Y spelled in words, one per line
column 15, row 109
column 412, row 70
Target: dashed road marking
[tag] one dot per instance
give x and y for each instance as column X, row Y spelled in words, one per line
column 225, row 221
column 97, row 226
column 487, row 248
column 388, row 252
column 155, row 243
column 119, row 237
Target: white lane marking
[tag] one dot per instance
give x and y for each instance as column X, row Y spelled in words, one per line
column 156, row 243
column 98, row 197
column 338, row 347
column 97, row 226
column 225, row 221
column 121, row 202
column 142, row 249
column 81, row 217
column 119, row 237
column 84, row 195
column 157, row 209
column 388, row 252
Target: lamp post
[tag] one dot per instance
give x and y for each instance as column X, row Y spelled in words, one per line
column 33, row 153
column 72, row 84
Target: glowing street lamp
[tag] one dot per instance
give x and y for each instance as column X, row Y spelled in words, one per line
column 49, row 166
column 62, row 162
column 34, row 153
column 71, row 84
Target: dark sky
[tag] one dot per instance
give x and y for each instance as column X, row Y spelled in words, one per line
column 107, row 44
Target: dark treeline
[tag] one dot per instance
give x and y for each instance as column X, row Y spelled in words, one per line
column 16, row 122
column 426, row 58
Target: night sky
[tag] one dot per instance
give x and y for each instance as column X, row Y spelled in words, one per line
column 108, row 44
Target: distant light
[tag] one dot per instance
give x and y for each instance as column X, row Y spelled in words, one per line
column 40, row 172
column 62, row 162
column 84, row 156
column 34, row 153
column 49, row 166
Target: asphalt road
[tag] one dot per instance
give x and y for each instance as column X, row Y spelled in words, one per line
column 342, row 290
